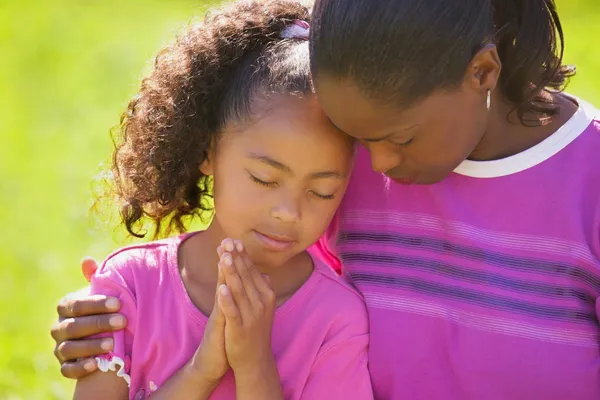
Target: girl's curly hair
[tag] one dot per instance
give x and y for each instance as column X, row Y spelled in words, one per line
column 206, row 78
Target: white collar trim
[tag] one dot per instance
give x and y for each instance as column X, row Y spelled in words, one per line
column 537, row 154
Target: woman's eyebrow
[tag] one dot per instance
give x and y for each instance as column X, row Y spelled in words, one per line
column 388, row 136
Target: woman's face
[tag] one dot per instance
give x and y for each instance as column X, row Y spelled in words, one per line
column 422, row 144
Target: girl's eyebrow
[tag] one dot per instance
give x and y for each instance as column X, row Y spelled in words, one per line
column 284, row 168
column 271, row 162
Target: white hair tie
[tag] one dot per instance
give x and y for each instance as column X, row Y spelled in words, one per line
column 298, row 29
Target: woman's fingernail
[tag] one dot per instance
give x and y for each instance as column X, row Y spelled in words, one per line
column 227, row 260
column 106, row 344
column 116, row 321
column 112, row 304
column 89, row 366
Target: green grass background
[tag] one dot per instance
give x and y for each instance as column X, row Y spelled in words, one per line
column 67, row 70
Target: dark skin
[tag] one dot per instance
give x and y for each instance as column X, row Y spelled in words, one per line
column 421, row 144
column 424, row 143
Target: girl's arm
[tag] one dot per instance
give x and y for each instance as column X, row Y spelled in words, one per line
column 186, row 384
column 101, row 385
column 197, row 379
column 248, row 302
column 262, row 382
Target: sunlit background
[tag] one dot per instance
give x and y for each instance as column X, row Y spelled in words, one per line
column 67, row 70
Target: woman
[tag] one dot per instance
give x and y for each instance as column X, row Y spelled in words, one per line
column 471, row 225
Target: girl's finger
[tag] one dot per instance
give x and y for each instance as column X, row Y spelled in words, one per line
column 234, row 283
column 262, row 285
column 228, row 307
column 220, row 275
column 227, row 245
column 220, row 281
column 219, row 318
column 246, row 271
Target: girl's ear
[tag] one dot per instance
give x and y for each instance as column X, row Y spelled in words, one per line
column 207, row 166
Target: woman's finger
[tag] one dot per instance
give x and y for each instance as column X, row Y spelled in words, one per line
column 78, row 369
column 74, row 305
column 81, row 327
column 89, row 266
column 76, row 349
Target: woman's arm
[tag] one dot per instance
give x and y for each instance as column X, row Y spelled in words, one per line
column 101, row 386
column 81, row 315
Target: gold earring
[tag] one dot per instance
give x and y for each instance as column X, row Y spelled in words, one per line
column 489, row 100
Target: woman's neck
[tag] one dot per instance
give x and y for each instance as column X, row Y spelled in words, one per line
column 507, row 136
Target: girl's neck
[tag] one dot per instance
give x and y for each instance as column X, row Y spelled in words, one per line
column 507, row 136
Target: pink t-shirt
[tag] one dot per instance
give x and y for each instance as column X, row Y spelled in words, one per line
column 320, row 335
column 485, row 286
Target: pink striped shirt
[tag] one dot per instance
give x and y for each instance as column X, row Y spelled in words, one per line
column 485, row 285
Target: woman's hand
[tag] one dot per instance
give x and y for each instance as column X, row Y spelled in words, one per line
column 248, row 303
column 81, row 315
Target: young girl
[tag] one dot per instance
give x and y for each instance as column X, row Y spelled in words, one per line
column 228, row 113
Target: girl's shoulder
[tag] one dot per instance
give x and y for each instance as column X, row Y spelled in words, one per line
column 140, row 265
column 143, row 256
column 336, row 299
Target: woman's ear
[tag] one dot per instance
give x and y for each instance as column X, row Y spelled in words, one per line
column 484, row 69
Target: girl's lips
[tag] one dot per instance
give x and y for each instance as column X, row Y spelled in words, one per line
column 276, row 243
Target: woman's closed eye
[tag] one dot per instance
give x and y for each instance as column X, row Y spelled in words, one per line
column 404, row 144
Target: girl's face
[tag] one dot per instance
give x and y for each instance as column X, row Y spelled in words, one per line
column 279, row 179
column 422, row 144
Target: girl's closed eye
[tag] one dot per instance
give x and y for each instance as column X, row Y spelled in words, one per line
column 323, row 196
column 262, row 182
column 274, row 184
